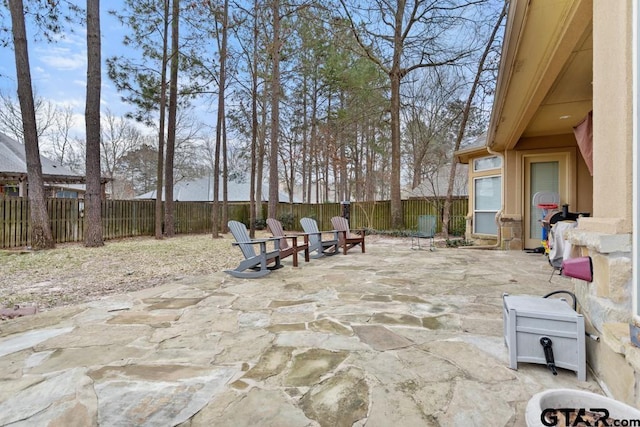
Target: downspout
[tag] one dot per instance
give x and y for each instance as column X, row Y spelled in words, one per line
column 498, row 244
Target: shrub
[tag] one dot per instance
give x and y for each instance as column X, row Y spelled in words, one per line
column 287, row 220
column 458, row 242
column 457, row 226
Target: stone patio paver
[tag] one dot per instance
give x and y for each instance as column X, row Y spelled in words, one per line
column 392, row 337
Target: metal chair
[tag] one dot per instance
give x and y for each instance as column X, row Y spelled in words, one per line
column 426, row 230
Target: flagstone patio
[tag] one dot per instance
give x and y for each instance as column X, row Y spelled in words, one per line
column 393, row 336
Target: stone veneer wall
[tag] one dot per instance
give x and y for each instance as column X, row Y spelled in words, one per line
column 606, row 306
column 511, row 233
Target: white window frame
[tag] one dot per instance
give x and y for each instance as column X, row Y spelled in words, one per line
column 477, row 169
column 476, row 211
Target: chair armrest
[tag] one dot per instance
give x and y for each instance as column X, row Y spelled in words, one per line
column 254, row 241
column 261, row 242
column 294, row 238
column 334, row 232
column 305, row 237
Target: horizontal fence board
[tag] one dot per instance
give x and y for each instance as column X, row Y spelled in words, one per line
column 130, row 218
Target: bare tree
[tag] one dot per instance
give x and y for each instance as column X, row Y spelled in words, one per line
column 54, row 129
column 40, row 233
column 466, row 113
column 62, row 146
column 118, row 137
column 93, row 195
column 11, row 117
column 220, row 143
column 403, row 36
column 428, row 122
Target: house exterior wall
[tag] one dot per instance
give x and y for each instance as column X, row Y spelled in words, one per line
column 580, row 197
column 612, row 126
column 606, row 237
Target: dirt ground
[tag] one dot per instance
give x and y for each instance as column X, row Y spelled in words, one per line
column 71, row 273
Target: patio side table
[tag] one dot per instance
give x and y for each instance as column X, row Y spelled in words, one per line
column 530, row 319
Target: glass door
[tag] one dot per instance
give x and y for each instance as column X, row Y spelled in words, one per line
column 542, row 173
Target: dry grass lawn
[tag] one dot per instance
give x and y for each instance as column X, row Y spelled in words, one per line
column 71, row 273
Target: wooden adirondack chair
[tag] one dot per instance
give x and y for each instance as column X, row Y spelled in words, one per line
column 317, row 246
column 277, row 231
column 255, row 263
column 346, row 238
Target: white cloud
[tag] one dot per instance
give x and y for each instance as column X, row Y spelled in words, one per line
column 64, row 59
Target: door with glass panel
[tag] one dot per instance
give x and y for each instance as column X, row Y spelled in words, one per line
column 542, row 173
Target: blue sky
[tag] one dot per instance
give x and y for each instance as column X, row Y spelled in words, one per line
column 58, row 69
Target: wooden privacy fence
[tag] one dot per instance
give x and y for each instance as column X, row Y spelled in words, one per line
column 130, row 218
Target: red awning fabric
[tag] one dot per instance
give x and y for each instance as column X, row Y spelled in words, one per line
column 584, row 135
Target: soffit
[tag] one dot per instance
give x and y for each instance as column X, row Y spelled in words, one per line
column 544, row 86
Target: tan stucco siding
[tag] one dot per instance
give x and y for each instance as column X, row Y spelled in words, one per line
column 612, row 113
column 512, row 188
column 582, row 200
column 584, row 193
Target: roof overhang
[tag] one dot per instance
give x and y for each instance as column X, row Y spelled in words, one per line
column 544, row 81
column 464, row 155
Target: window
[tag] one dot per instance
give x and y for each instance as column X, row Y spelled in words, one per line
column 486, row 204
column 486, row 163
column 66, row 194
column 545, row 176
column 10, row 190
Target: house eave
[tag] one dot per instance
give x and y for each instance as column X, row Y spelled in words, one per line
column 540, row 39
column 464, row 156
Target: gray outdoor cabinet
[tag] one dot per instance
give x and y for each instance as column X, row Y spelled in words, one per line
column 529, row 319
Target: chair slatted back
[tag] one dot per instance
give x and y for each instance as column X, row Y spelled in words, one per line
column 275, row 227
column 341, row 224
column 310, row 226
column 240, row 233
column 427, row 225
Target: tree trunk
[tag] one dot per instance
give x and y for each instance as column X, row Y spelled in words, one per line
column 304, row 167
column 397, row 218
column 93, row 196
column 220, row 122
column 161, row 125
column 169, row 205
column 40, row 233
column 395, row 76
column 262, row 150
column 313, row 149
column 275, row 112
column 254, row 125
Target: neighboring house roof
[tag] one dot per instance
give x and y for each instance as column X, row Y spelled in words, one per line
column 437, row 186
column 472, row 147
column 13, row 165
column 201, row 190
